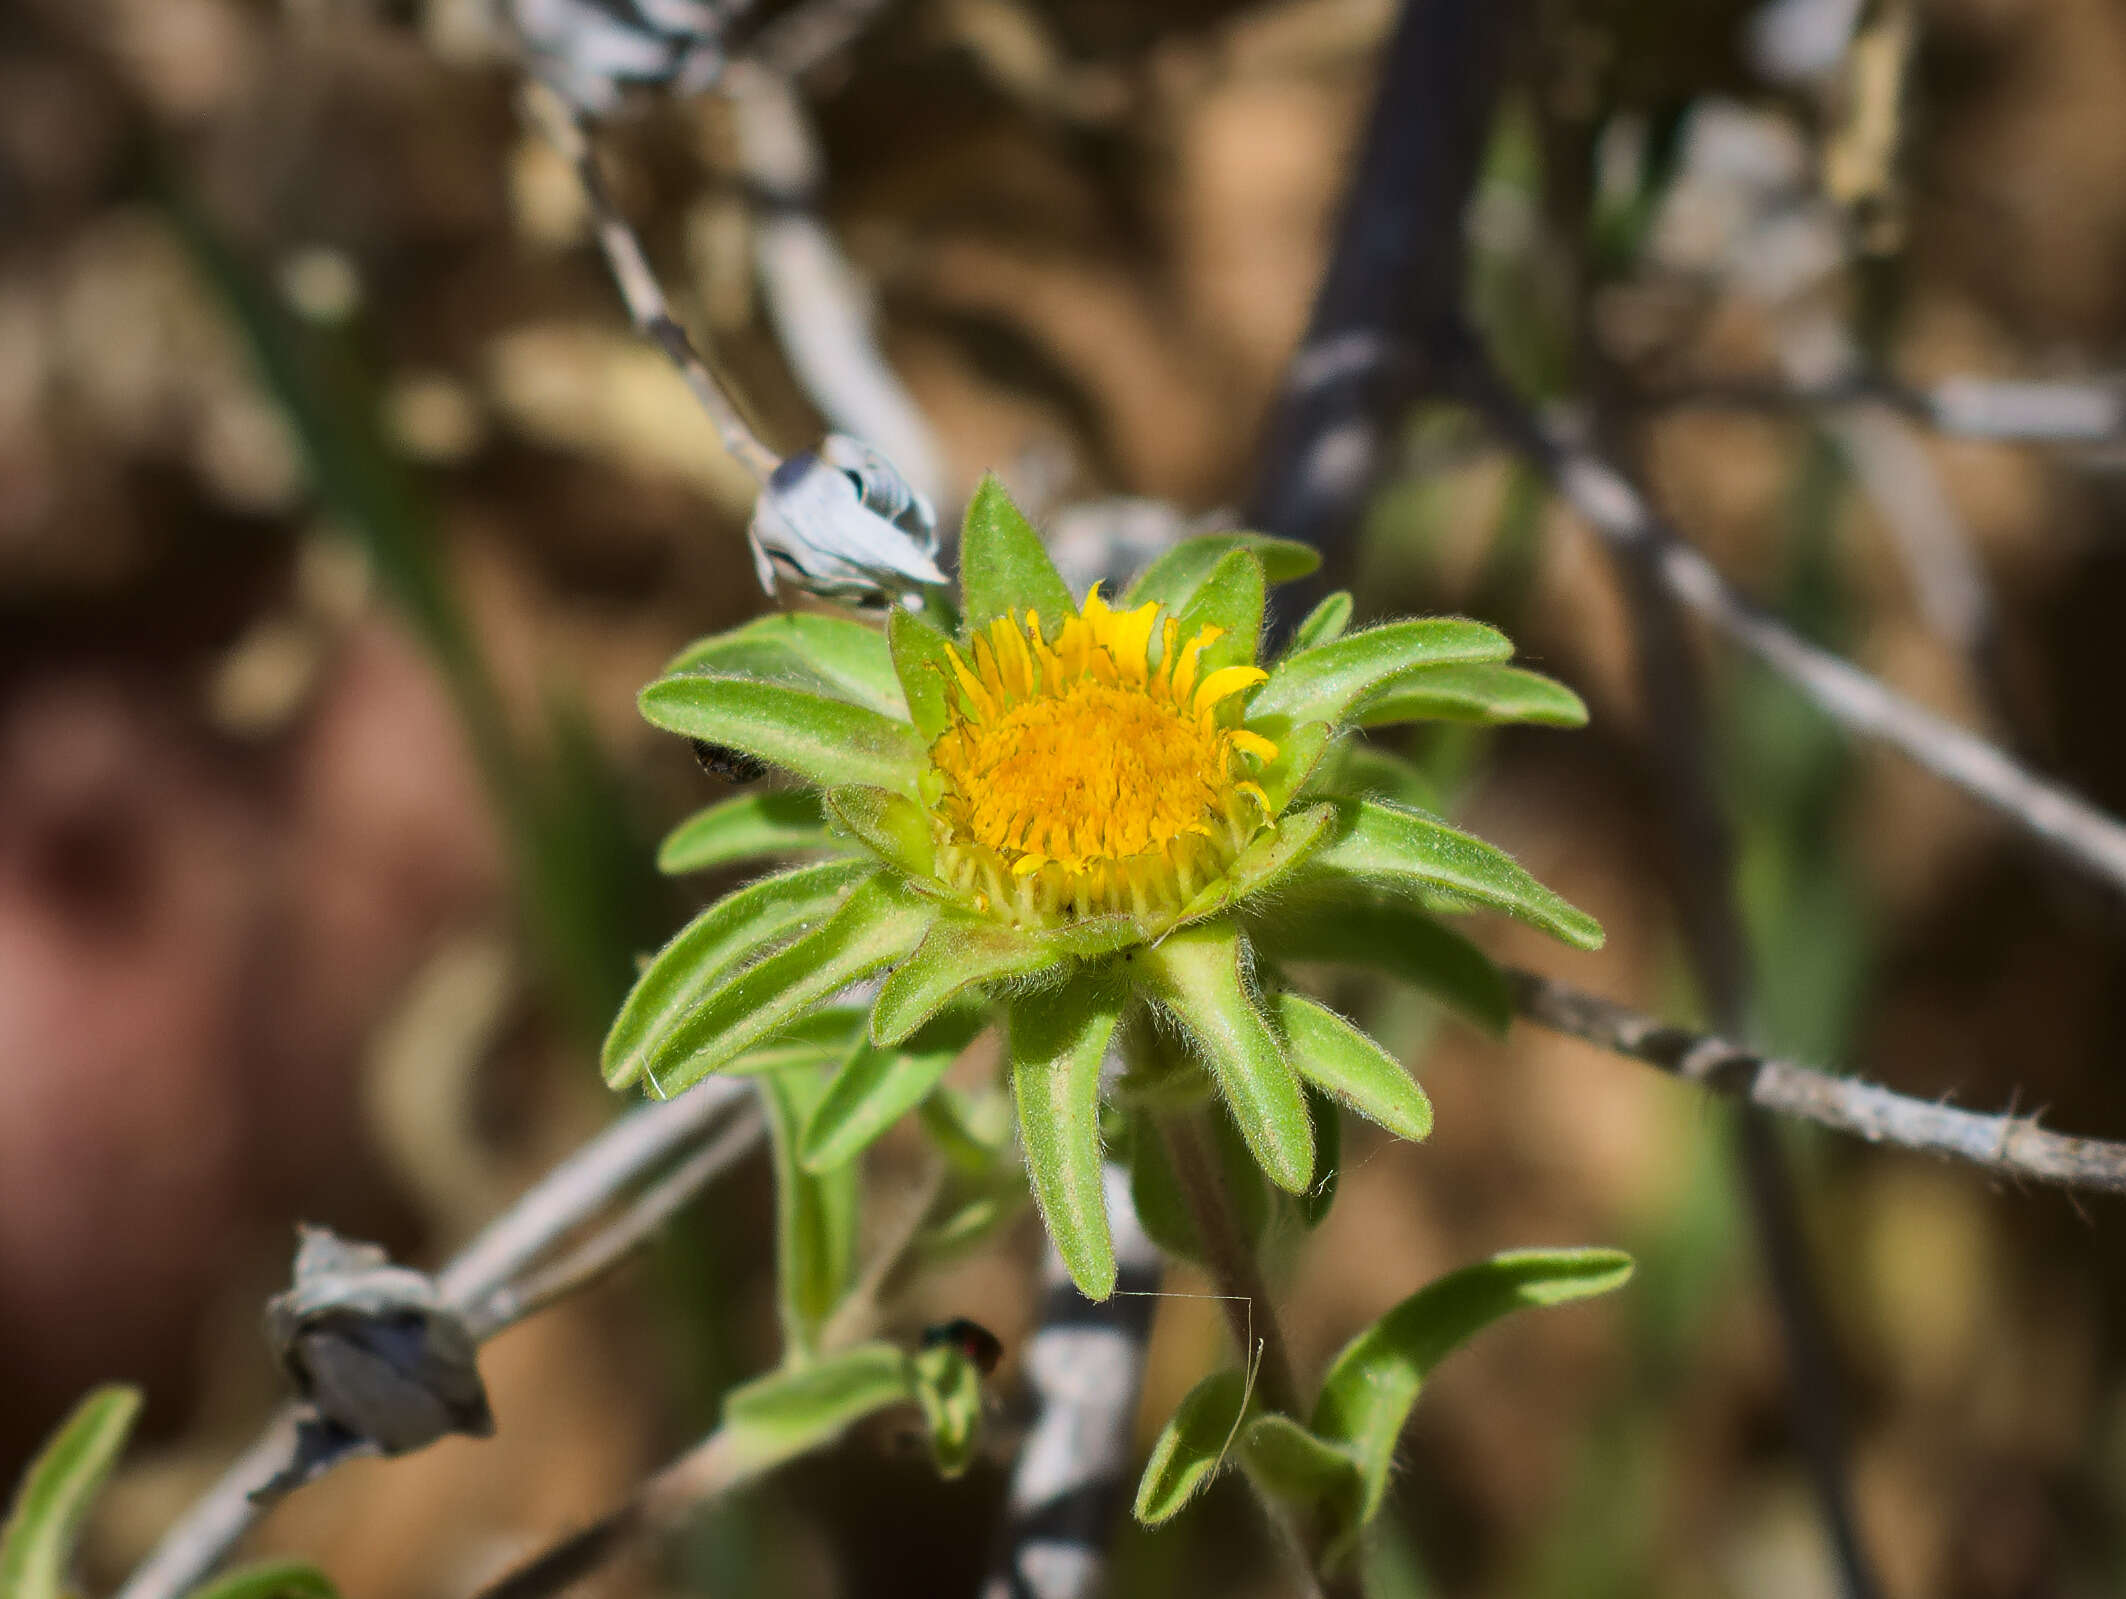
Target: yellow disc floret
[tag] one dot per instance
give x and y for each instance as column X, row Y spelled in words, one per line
column 1080, row 777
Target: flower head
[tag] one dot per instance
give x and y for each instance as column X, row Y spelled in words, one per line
column 1065, row 816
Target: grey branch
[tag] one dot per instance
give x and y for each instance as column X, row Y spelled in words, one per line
column 478, row 1283
column 2000, row 410
column 2006, row 1145
column 646, row 305
column 2061, row 819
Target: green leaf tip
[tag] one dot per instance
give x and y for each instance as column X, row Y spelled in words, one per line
column 1056, row 1042
column 37, row 1540
column 1192, row 1445
column 1003, row 565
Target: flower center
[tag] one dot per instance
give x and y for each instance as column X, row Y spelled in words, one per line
column 1079, row 779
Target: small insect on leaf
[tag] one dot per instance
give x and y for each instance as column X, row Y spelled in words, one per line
column 733, row 766
column 981, row 1346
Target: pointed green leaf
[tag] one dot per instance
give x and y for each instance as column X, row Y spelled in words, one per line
column 1174, row 577
column 832, row 654
column 1489, row 693
column 37, row 1540
column 1368, row 1393
column 1197, row 974
column 1325, row 622
column 1323, row 683
column 824, row 741
column 924, row 670
column 1192, row 1445
column 1230, row 598
column 1003, row 566
column 892, row 826
column 1394, row 848
column 1336, row 1057
column 1056, row 1041
column 958, row 953
column 877, row 924
column 709, row 947
column 801, row 1408
column 1270, row 857
column 877, row 1086
column 279, row 1579
column 1394, row 937
column 815, row 1213
column 1291, row 1464
column 948, row 1387
column 747, row 827
column 1299, row 755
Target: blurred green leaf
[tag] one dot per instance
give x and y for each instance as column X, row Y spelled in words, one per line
column 876, row 925
column 827, row 1037
column 948, row 1387
column 1196, row 973
column 1055, row 1042
column 824, row 741
column 1387, row 847
column 849, row 659
column 1336, row 1057
column 1369, row 1391
column 960, row 952
column 1488, row 693
column 1175, row 576
column 1192, row 1445
column 1003, row 566
column 708, row 948
column 37, row 1540
column 815, row 1212
column 1323, row 683
column 879, row 1084
column 282, row 1579
column 1315, row 1204
column 748, row 827
column 1161, row 1203
column 789, row 1413
column 892, row 826
column 1358, row 769
column 1291, row 1464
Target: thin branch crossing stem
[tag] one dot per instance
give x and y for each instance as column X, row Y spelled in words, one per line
column 2011, row 1147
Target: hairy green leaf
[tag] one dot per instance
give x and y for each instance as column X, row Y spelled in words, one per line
column 37, row 1540
column 948, row 1387
column 712, row 945
column 1339, row 1059
column 1390, row 936
column 1299, row 755
column 849, row 658
column 892, row 826
column 1488, row 693
column 1389, row 847
column 1325, row 622
column 279, row 1579
column 827, row 1037
column 958, row 953
column 876, row 1086
column 1358, row 770
column 877, row 924
column 1192, row 1445
column 924, row 670
column 747, row 827
column 1056, row 1040
column 1289, row 1463
column 1175, row 576
column 815, row 1212
column 1323, row 683
column 794, row 1411
column 1229, row 598
column 1003, row 566
column 824, row 741
column 1196, row 972
column 1367, row 1395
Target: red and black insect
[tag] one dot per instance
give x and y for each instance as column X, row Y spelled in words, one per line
column 981, row 1346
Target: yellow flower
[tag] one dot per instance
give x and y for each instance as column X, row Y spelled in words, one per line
column 1082, row 777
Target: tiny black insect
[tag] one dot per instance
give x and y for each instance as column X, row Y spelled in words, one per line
column 970, row 1338
column 733, row 766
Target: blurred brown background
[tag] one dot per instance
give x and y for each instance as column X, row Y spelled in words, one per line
column 325, row 813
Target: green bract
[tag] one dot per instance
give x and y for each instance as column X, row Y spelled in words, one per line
column 1074, row 819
